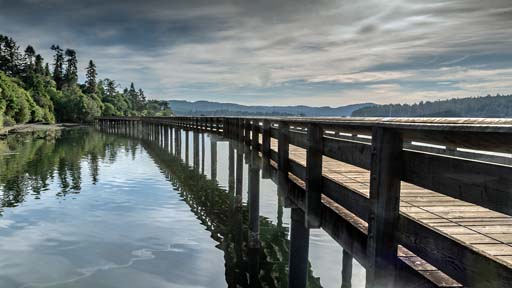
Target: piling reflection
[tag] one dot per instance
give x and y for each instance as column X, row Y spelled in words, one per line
column 255, row 249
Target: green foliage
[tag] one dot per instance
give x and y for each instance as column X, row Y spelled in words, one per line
column 488, row 106
column 74, row 106
column 16, row 103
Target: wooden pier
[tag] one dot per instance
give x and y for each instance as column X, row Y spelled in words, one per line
column 418, row 202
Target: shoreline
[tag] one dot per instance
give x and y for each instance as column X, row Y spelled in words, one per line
column 34, row 127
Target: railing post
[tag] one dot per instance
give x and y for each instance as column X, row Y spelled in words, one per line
column 255, row 135
column 385, row 178
column 224, row 127
column 241, row 128
column 247, row 133
column 265, row 141
column 314, row 176
column 283, row 151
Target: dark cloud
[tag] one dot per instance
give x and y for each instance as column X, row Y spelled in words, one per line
column 197, row 49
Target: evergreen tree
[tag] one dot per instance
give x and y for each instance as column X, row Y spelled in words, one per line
column 90, row 78
column 47, row 70
column 71, row 75
column 38, row 65
column 30, row 53
column 28, row 67
column 142, row 98
column 58, row 64
column 110, row 88
column 10, row 57
column 133, row 96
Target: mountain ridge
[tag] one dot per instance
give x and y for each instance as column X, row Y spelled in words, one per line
column 209, row 108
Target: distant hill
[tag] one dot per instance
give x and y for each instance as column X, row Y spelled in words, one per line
column 499, row 106
column 207, row 108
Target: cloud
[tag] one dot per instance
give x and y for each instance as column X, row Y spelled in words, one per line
column 217, row 50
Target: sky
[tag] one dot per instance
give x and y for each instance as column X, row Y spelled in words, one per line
column 287, row 52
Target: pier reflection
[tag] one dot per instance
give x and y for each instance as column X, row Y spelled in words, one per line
column 257, row 251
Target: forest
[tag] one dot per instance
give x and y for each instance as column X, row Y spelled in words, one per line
column 31, row 91
column 498, row 106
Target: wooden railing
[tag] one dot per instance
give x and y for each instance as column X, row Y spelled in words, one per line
column 467, row 159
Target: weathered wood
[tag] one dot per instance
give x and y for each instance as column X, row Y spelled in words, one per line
column 299, row 248
column 464, row 264
column 346, row 270
column 314, row 176
column 297, row 169
column 299, row 139
column 351, row 200
column 231, row 165
column 266, row 138
column 254, row 195
column 247, row 132
column 483, row 184
column 239, row 172
column 283, row 149
column 255, row 135
column 384, row 207
column 274, row 132
column 351, row 152
column 213, row 159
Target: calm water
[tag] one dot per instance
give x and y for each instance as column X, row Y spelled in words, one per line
column 85, row 209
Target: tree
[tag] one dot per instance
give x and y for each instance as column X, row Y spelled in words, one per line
column 142, row 100
column 110, row 89
column 10, row 57
column 132, row 96
column 30, row 53
column 47, row 70
column 38, row 65
column 58, row 64
column 90, row 78
column 71, row 75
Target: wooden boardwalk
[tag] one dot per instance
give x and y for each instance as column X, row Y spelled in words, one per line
column 436, row 214
column 483, row 230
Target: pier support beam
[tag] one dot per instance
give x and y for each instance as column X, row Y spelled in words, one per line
column 231, row 168
column 213, row 159
column 187, row 147
column 239, row 174
column 254, row 201
column 299, row 249
column 196, row 149
column 346, row 270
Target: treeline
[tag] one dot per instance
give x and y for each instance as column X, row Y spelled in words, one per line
column 488, row 106
column 32, row 92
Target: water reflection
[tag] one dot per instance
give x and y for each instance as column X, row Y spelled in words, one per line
column 234, row 211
